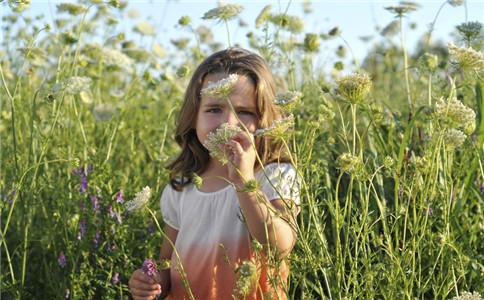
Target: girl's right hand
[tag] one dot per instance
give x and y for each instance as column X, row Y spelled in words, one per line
column 143, row 287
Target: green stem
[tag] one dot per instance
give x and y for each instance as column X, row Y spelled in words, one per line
column 405, row 67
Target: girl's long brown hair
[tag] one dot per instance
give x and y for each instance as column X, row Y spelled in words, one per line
column 194, row 157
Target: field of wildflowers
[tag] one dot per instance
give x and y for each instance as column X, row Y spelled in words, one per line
column 391, row 152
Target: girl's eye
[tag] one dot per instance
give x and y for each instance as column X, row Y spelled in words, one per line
column 245, row 112
column 214, row 110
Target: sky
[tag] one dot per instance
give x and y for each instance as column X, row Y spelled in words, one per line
column 355, row 18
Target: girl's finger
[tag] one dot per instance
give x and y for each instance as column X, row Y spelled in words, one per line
column 145, row 292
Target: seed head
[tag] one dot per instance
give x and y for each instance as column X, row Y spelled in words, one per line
column 470, row 30
column 220, row 136
column 311, row 42
column 347, row 162
column 221, row 88
column 223, row 12
column 140, row 199
column 355, row 87
column 455, row 3
column 428, row 62
column 247, row 274
column 292, row 24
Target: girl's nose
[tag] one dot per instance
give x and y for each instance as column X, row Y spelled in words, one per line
column 231, row 119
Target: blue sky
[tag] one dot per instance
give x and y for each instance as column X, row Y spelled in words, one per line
column 355, row 18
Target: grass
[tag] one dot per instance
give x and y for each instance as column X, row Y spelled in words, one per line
column 399, row 216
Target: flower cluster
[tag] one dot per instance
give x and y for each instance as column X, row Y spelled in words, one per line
column 354, row 87
column 403, row 8
column 288, row 98
column 140, row 199
column 468, row 60
column 279, row 128
column 221, row 88
column 223, row 12
column 352, row 165
column 247, row 274
column 115, row 58
column 71, row 8
column 453, row 138
column 454, row 114
column 220, row 136
column 76, row 84
column 468, row 296
column 149, row 267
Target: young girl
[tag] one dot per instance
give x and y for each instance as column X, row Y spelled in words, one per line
column 231, row 224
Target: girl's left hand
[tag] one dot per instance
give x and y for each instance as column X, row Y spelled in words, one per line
column 241, row 155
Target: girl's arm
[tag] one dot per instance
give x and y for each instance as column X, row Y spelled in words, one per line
column 143, row 287
column 270, row 222
column 165, row 253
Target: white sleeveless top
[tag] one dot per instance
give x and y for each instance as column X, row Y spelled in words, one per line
column 213, row 239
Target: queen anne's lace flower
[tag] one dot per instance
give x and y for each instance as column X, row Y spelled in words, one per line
column 220, row 136
column 453, row 138
column 278, row 129
column 468, row 296
column 287, row 98
column 140, row 199
column 468, row 60
column 454, row 114
column 221, row 88
column 223, row 12
column 116, row 58
column 76, row 84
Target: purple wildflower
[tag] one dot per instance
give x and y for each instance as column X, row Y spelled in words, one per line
column 151, row 227
column 97, row 237
column 481, row 188
column 82, row 230
column 430, row 211
column 81, row 172
column 119, row 196
column 149, row 267
column 114, row 214
column 95, row 203
column 61, row 260
column 115, row 278
column 83, row 186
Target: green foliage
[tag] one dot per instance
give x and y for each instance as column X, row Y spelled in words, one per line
column 399, row 215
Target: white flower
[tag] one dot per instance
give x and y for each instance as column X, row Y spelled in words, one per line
column 468, row 60
column 454, row 114
column 113, row 57
column 144, row 28
column 140, row 199
column 76, row 84
column 288, row 97
column 221, row 88
column 278, row 129
column 221, row 135
column 453, row 138
column 223, row 12
column 103, row 112
column 468, row 296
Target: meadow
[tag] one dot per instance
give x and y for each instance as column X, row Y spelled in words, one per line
column 391, row 152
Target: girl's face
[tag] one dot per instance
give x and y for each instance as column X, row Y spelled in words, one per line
column 214, row 111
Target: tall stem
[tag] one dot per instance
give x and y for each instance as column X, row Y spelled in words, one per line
column 405, row 66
